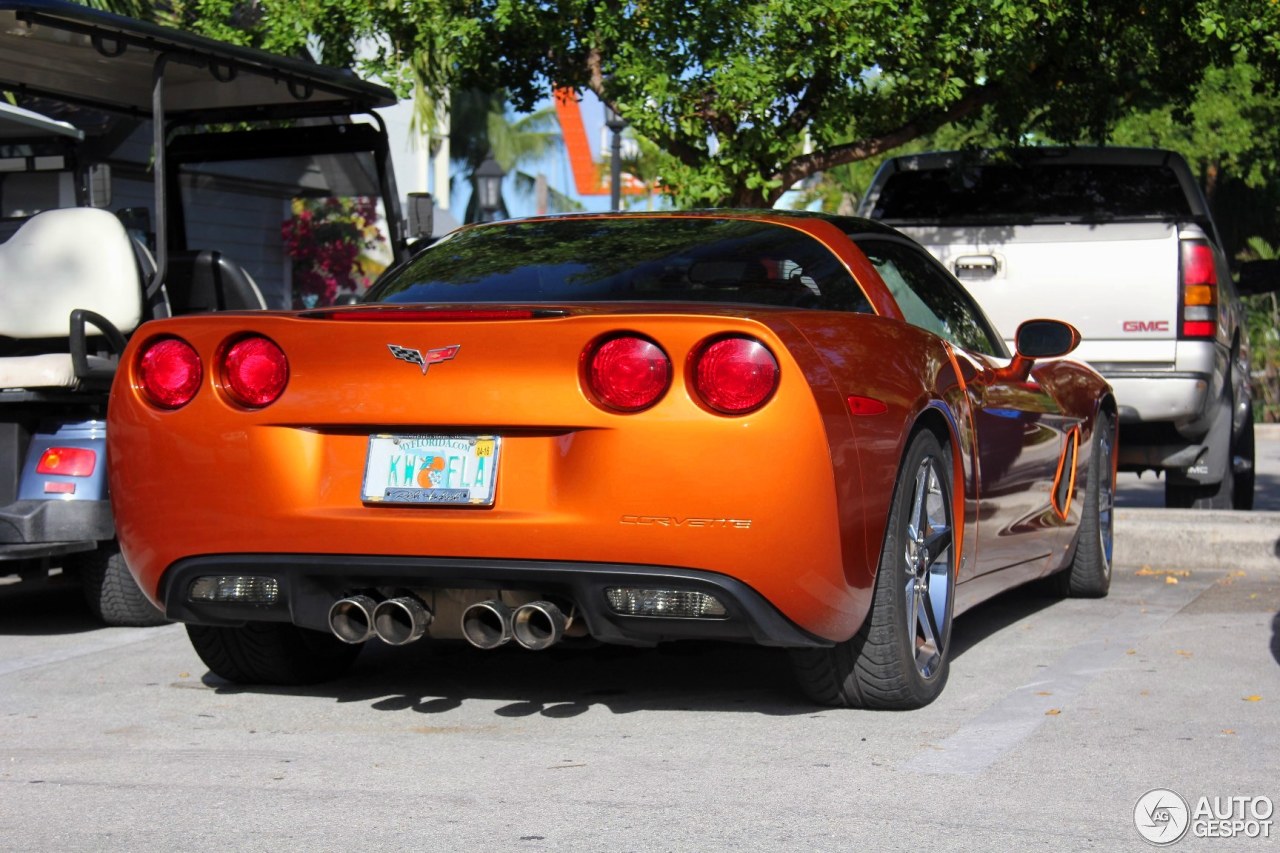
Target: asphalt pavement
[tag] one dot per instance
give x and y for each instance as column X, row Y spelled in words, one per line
column 1060, row 716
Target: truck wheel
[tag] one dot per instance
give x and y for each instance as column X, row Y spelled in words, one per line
column 111, row 592
column 272, row 653
column 1242, row 498
column 900, row 657
column 1089, row 575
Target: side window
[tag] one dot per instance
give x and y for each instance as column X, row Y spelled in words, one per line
column 927, row 296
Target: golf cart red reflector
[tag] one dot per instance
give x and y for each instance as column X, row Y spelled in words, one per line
column 60, row 488
column 416, row 315
column 67, row 462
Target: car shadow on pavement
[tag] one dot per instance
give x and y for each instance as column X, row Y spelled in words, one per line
column 438, row 677
column 996, row 614
column 44, row 609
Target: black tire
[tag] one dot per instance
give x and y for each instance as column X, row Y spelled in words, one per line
column 272, row 653
column 900, row 657
column 1089, row 574
column 1242, row 496
column 110, row 590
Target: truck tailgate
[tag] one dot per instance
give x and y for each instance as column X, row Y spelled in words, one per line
column 1112, row 281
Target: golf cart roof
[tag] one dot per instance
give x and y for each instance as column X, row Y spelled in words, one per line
column 60, row 50
column 19, row 124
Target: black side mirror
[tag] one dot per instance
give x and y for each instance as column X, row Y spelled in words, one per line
column 1046, row 338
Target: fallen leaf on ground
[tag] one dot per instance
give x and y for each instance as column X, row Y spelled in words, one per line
column 1171, row 579
column 1053, row 712
column 1185, row 653
column 1228, row 731
column 1044, row 692
column 1253, row 698
column 1147, row 572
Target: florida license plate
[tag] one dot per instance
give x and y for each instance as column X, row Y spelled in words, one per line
column 431, row 470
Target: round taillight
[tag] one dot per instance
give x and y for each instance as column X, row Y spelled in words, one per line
column 735, row 375
column 628, row 373
column 255, row 371
column 169, row 372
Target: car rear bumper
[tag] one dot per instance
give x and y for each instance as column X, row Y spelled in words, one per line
column 28, row 525
column 309, row 585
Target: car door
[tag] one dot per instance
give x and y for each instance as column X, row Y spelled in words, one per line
column 1018, row 428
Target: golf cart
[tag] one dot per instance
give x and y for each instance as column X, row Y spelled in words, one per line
column 151, row 175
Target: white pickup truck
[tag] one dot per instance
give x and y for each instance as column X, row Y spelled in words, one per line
column 1120, row 243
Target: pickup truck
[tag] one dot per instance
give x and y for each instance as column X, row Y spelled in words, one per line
column 1119, row 242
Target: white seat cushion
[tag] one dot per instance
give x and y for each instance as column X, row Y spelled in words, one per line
column 61, row 260
column 52, row 370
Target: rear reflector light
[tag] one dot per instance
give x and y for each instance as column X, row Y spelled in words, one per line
column 735, row 375
column 169, row 372
column 670, row 603
column 67, row 462
column 60, row 487
column 627, row 373
column 235, row 588
column 255, row 371
column 1199, row 306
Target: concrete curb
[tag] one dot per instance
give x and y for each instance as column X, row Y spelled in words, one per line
column 1173, row 538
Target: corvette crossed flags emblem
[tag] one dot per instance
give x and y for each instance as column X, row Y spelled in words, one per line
column 424, row 360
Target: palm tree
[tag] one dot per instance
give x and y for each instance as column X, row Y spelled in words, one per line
column 479, row 125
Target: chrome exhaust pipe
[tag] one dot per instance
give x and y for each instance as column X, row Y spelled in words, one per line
column 401, row 620
column 351, row 618
column 538, row 625
column 487, row 624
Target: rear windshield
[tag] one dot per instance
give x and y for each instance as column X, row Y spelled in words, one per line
column 641, row 259
column 1034, row 192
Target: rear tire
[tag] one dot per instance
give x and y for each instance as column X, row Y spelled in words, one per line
column 900, row 657
column 1089, row 575
column 272, row 653
column 1242, row 498
column 111, row 592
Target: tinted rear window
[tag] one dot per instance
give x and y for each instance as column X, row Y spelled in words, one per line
column 640, row 259
column 1032, row 192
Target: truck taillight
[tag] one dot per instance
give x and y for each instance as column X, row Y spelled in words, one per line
column 1198, row 312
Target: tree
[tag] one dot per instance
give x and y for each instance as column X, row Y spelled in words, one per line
column 731, row 90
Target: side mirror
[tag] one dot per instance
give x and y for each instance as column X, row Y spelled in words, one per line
column 1046, row 339
column 1037, row 339
column 1258, row 277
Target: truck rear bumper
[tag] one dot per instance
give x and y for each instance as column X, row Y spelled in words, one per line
column 1151, row 396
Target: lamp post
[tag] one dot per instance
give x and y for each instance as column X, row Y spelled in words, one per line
column 488, row 182
column 616, row 125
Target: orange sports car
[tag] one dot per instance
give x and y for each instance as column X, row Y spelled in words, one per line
column 790, row 429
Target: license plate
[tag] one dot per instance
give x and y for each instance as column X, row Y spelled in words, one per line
column 431, row 470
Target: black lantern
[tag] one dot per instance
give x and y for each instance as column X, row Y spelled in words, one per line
column 488, row 182
column 616, row 125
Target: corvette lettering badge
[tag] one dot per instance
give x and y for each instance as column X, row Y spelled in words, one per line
column 424, row 360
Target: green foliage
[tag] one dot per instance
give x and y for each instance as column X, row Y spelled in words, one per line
column 1263, row 324
column 730, row 90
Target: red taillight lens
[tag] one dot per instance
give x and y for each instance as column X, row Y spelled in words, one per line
column 628, row 373
column 255, row 371
column 169, row 372
column 67, row 462
column 735, row 375
column 1199, row 318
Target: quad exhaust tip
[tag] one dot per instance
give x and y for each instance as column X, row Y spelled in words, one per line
column 538, row 625
column 402, row 620
column 487, row 624
column 351, row 618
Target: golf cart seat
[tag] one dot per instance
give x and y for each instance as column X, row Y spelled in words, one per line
column 66, row 276
column 208, row 280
